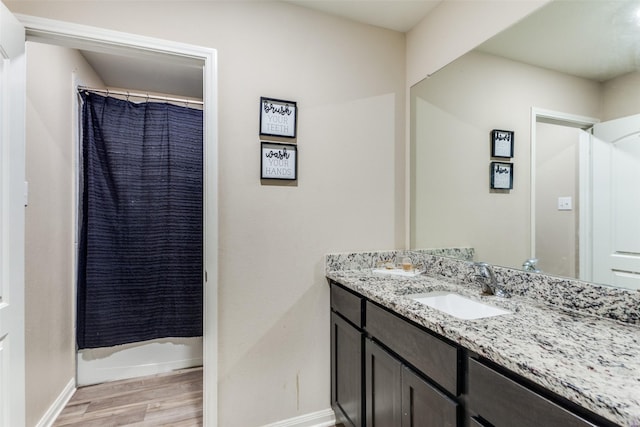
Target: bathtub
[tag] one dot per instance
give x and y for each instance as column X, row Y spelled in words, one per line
column 133, row 360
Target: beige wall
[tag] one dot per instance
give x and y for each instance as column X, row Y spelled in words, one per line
column 453, row 28
column 557, row 166
column 455, row 111
column 349, row 82
column 450, row 30
column 50, row 219
column 621, row 96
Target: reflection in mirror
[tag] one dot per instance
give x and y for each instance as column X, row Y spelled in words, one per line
column 503, row 84
column 556, row 189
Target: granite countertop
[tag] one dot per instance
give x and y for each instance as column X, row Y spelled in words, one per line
column 592, row 361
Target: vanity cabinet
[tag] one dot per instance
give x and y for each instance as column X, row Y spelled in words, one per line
column 496, row 400
column 346, row 357
column 436, row 359
column 383, row 399
column 397, row 396
column 387, row 371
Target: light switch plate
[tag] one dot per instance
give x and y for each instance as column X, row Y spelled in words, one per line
column 565, row 203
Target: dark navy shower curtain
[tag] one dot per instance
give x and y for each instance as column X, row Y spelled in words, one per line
column 140, row 255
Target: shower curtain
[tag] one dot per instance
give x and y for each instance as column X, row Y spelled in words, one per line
column 141, row 245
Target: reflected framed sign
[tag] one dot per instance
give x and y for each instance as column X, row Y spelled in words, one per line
column 501, row 176
column 502, row 143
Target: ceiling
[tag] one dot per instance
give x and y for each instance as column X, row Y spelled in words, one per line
column 597, row 40
column 398, row 15
column 148, row 75
column 583, row 38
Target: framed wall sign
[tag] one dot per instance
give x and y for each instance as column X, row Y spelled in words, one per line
column 502, row 175
column 502, row 143
column 278, row 117
column 278, row 161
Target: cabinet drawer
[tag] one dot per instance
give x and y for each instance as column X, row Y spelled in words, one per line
column 348, row 304
column 503, row 402
column 432, row 356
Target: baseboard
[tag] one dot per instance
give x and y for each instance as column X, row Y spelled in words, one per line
column 56, row 408
column 324, row 418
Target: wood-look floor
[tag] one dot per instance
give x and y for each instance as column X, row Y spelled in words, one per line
column 173, row 399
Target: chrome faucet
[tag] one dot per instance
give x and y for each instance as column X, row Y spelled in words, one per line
column 531, row 265
column 488, row 281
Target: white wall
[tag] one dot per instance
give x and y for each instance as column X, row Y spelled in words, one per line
column 349, row 82
column 50, row 222
column 456, row 109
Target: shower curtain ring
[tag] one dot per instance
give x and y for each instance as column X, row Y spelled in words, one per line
column 127, row 95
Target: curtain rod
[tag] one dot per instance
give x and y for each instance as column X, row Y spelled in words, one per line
column 140, row 95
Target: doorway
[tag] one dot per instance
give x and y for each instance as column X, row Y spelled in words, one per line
column 559, row 192
column 139, row 292
column 81, row 37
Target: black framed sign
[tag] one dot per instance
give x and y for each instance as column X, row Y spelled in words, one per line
column 502, row 143
column 502, row 175
column 278, row 117
column 278, row 161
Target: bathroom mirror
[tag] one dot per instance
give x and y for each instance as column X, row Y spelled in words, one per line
column 548, row 78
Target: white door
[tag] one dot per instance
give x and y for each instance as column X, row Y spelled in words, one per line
column 12, row 166
column 616, row 202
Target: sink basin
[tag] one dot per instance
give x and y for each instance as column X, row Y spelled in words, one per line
column 458, row 306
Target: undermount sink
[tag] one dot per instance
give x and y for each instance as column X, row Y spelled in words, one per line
column 458, row 306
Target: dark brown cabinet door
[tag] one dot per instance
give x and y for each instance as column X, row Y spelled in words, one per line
column 396, row 396
column 346, row 372
column 383, row 375
column 436, row 359
column 423, row 405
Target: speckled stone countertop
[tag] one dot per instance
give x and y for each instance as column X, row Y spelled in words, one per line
column 591, row 360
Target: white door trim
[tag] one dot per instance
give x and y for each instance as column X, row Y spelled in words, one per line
column 585, row 228
column 12, row 217
column 97, row 39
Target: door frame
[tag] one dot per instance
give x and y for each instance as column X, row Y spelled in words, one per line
column 12, row 219
column 85, row 37
column 569, row 120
